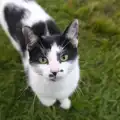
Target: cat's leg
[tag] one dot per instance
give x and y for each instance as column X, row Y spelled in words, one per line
column 65, row 103
column 47, row 101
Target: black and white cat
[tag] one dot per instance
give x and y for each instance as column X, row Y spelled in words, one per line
column 49, row 56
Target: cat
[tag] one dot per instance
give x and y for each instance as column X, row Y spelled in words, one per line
column 50, row 57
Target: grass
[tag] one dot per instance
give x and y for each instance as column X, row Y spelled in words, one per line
column 99, row 47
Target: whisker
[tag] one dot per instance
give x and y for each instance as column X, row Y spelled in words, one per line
column 83, row 83
column 80, row 91
column 33, row 103
column 65, row 45
column 42, row 48
column 39, row 73
column 23, row 92
column 63, row 42
column 42, row 45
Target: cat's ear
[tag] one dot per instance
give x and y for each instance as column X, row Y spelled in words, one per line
column 30, row 37
column 71, row 32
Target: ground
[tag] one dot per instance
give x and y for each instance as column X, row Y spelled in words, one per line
column 98, row 95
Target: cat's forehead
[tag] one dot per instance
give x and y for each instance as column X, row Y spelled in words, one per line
column 54, row 51
column 50, row 42
column 55, row 47
column 52, row 38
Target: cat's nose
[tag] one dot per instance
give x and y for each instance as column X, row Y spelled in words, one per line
column 54, row 73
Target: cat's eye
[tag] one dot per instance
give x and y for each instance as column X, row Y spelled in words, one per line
column 43, row 60
column 64, row 58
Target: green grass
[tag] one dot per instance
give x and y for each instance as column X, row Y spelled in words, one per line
column 99, row 47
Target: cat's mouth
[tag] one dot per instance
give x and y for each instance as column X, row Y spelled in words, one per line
column 55, row 79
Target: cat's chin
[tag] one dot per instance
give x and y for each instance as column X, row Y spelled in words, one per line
column 55, row 79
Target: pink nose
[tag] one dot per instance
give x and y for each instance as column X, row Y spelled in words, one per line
column 54, row 67
column 54, row 73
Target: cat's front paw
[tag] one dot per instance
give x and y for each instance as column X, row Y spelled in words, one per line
column 47, row 101
column 65, row 103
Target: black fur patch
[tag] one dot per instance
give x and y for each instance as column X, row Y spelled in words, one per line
column 13, row 15
column 36, row 53
column 52, row 27
column 39, row 28
column 68, row 48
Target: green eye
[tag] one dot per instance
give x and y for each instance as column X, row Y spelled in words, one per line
column 64, row 58
column 43, row 60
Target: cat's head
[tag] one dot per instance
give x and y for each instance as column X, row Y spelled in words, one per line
column 53, row 56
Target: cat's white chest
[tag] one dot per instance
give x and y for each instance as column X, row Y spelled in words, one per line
column 59, row 89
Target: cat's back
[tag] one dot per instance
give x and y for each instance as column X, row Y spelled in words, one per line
column 26, row 11
column 14, row 14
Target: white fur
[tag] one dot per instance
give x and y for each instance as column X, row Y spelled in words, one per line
column 52, row 57
column 65, row 103
column 47, row 91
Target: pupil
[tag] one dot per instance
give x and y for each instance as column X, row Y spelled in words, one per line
column 43, row 59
